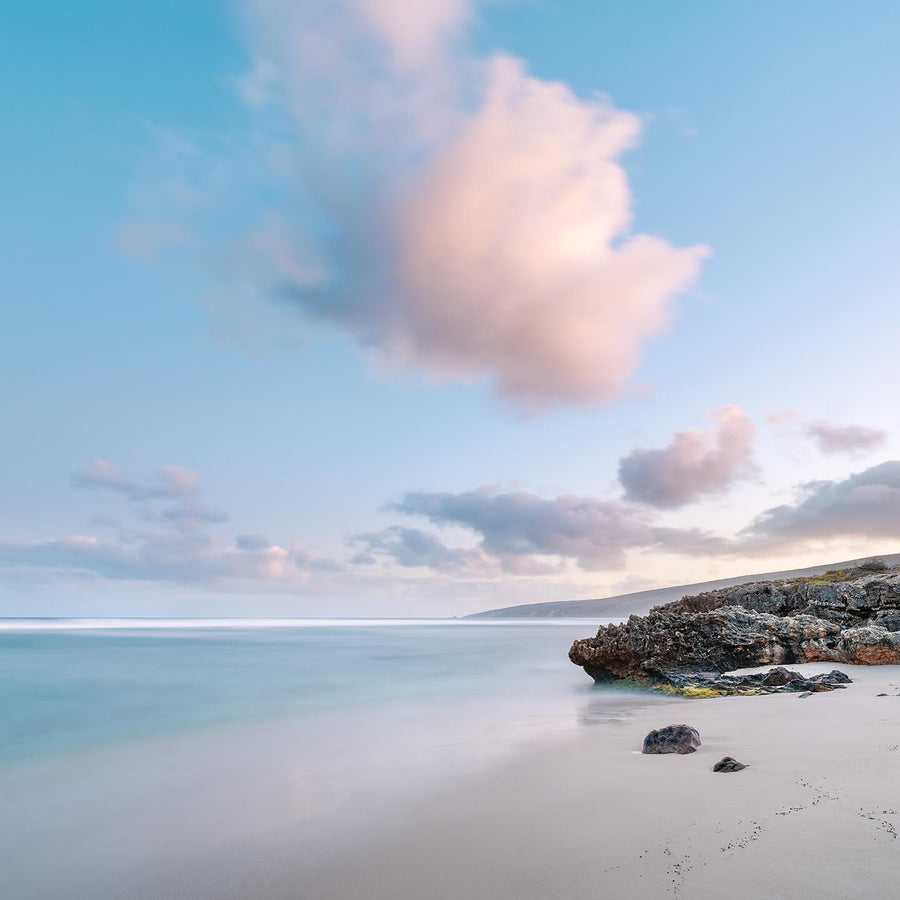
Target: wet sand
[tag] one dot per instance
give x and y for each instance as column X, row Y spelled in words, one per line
column 581, row 814
column 815, row 814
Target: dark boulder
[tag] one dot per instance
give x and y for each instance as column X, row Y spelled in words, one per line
column 672, row 739
column 728, row 764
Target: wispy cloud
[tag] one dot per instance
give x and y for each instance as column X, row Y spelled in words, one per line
column 180, row 548
column 695, row 464
column 169, row 481
column 148, row 556
column 413, row 548
column 848, row 439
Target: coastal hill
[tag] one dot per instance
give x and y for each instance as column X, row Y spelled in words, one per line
column 641, row 602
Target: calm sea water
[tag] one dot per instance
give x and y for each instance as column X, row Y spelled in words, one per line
column 71, row 685
column 130, row 748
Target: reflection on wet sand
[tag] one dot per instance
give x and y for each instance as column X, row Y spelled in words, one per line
column 614, row 704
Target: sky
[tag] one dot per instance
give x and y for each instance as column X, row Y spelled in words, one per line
column 388, row 308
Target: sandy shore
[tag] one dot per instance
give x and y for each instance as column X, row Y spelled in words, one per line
column 581, row 814
column 816, row 814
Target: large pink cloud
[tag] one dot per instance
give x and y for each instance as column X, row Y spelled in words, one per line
column 480, row 218
column 513, row 257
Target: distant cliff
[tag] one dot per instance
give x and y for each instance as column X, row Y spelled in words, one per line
column 642, row 602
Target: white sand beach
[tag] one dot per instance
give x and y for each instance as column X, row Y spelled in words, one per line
column 579, row 813
column 815, row 814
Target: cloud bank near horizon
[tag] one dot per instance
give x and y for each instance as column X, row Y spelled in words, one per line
column 516, row 533
column 866, row 504
column 169, row 543
column 595, row 533
column 523, row 533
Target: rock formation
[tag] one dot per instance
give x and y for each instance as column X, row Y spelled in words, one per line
column 843, row 617
column 728, row 764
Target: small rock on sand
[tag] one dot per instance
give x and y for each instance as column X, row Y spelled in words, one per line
column 728, row 764
column 672, row 739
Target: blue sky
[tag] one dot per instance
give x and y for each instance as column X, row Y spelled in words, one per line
column 233, row 252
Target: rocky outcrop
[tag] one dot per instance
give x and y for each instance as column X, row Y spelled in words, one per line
column 842, row 617
column 848, row 599
column 672, row 739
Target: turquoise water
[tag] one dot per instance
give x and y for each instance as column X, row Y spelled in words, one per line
column 69, row 686
column 179, row 759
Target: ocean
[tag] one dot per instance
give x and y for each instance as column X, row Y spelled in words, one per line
column 147, row 757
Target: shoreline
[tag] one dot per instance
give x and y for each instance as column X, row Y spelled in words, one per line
column 816, row 813
column 221, row 810
column 575, row 813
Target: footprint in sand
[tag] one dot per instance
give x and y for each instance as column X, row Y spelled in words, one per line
column 882, row 824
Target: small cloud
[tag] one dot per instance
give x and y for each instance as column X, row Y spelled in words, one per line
column 104, row 475
column 693, row 465
column 169, row 481
column 835, row 439
column 830, row 438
